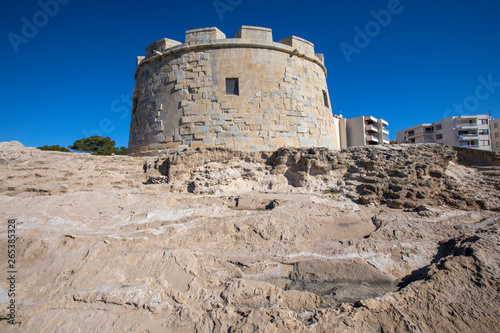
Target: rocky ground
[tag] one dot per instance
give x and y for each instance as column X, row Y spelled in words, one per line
column 369, row 239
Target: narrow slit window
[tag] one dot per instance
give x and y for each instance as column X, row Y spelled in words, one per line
column 134, row 105
column 232, row 86
column 325, row 99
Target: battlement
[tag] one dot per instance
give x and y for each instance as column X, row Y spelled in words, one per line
column 300, row 44
column 160, row 46
column 255, row 34
column 204, row 36
column 213, row 37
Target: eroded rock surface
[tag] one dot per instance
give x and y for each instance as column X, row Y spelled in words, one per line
column 393, row 239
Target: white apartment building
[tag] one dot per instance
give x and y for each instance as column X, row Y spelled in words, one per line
column 461, row 131
column 495, row 134
column 361, row 131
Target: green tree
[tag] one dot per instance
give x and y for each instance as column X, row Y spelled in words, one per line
column 98, row 145
column 54, row 148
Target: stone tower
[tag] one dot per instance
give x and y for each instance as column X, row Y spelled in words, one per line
column 247, row 93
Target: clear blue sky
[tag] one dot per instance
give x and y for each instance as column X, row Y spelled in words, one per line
column 75, row 75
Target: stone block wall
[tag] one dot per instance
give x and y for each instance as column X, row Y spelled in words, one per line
column 181, row 99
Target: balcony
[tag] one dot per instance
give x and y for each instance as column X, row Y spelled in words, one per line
column 371, row 129
column 386, row 132
column 467, row 126
column 370, row 120
column 469, row 146
column 384, row 123
column 469, row 136
column 370, row 139
column 420, row 133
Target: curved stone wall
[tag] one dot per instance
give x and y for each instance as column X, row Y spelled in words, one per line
column 247, row 93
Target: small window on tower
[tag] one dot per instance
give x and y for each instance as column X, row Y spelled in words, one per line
column 325, row 99
column 232, row 86
column 134, row 105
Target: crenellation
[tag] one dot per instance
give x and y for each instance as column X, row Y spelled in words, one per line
column 321, row 57
column 255, row 34
column 160, row 46
column 203, row 35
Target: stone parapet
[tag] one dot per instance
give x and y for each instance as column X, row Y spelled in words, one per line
column 234, row 43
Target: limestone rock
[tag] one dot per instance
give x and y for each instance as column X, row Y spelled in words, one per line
column 369, row 239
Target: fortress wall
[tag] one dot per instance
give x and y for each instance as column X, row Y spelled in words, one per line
column 180, row 98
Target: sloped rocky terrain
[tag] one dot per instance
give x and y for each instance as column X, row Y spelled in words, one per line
column 369, row 239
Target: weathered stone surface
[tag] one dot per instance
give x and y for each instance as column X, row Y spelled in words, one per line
column 219, row 240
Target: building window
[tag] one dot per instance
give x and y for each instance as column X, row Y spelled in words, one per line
column 438, row 127
column 232, row 86
column 495, row 125
column 484, row 132
column 484, row 142
column 497, row 135
column 439, row 136
column 134, row 106
column 483, row 121
column 498, row 144
column 325, row 99
column 410, row 133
